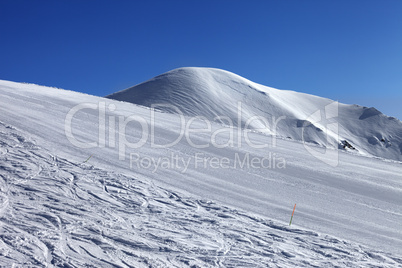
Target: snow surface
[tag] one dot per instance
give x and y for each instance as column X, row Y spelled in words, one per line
column 58, row 210
column 213, row 92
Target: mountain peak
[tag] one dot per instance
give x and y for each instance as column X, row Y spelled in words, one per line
column 216, row 94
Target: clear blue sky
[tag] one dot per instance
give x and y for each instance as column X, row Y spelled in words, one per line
column 346, row 50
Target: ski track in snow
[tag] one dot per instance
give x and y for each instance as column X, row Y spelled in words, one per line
column 55, row 212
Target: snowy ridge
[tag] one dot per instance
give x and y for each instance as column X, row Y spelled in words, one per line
column 55, row 212
column 212, row 92
column 58, row 210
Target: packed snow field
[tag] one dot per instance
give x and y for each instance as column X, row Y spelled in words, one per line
column 67, row 214
column 67, row 206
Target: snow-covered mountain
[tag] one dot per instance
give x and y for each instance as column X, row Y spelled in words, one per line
column 212, row 93
column 69, row 199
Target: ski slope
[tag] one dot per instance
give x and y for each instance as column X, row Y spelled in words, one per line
column 215, row 93
column 62, row 205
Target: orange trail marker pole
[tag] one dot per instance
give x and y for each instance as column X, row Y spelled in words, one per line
column 87, row 159
column 292, row 215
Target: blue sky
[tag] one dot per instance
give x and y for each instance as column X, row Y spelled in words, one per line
column 348, row 50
